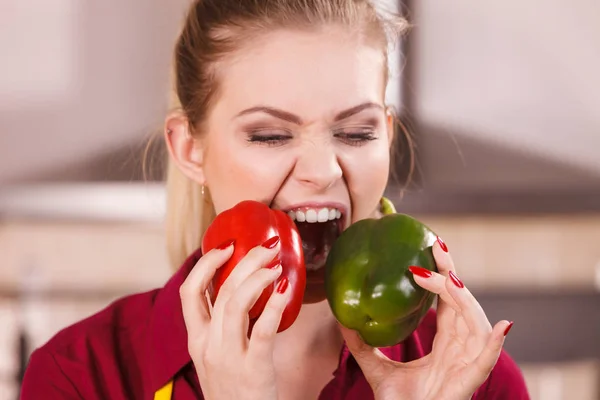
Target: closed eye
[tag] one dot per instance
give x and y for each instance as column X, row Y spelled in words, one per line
column 357, row 136
column 268, row 137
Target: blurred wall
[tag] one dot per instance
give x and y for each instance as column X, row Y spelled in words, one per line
column 520, row 75
column 80, row 78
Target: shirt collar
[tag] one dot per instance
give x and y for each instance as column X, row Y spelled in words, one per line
column 168, row 348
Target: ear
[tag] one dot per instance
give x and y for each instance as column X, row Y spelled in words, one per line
column 391, row 124
column 184, row 150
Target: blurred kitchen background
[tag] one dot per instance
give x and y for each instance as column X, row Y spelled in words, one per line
column 503, row 99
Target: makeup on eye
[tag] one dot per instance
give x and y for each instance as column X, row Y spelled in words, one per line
column 358, row 134
column 355, row 133
column 268, row 137
column 354, row 136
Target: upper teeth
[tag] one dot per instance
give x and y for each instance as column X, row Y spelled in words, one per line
column 312, row 215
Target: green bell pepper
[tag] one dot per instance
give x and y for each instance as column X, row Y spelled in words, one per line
column 369, row 287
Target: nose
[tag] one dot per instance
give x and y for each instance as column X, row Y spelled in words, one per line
column 318, row 166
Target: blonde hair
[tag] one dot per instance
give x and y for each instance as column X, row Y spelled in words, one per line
column 214, row 29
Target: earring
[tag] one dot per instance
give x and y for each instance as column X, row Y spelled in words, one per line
column 202, row 190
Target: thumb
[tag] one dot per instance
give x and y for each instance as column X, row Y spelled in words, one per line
column 373, row 363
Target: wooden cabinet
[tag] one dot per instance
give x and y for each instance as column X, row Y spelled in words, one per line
column 563, row 381
column 89, row 258
column 56, row 273
column 523, row 252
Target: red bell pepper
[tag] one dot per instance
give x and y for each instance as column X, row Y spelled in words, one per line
column 251, row 223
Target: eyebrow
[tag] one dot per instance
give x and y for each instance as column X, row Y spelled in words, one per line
column 289, row 117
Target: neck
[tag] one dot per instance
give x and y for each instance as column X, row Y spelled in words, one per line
column 314, row 332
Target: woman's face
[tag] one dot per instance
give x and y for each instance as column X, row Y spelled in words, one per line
column 300, row 125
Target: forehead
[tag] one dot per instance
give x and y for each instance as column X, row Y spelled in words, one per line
column 305, row 72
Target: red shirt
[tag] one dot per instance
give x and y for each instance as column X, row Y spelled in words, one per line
column 139, row 343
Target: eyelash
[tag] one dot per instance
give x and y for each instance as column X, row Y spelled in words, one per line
column 355, row 138
column 268, row 139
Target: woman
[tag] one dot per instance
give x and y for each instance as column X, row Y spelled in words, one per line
column 282, row 101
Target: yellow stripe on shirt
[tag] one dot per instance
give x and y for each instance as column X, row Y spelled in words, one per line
column 165, row 392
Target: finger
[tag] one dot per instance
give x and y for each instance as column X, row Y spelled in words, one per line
column 482, row 366
column 442, row 257
column 447, row 308
column 374, row 364
column 262, row 338
column 195, row 309
column 254, row 260
column 257, row 258
column 235, row 325
column 445, row 264
column 435, row 283
column 470, row 309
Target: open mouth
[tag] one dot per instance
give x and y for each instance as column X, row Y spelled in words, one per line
column 319, row 228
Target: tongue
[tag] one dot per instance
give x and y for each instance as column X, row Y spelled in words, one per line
column 317, row 239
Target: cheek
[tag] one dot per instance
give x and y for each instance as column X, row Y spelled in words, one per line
column 240, row 174
column 367, row 176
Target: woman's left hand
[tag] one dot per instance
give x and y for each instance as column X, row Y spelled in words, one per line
column 465, row 348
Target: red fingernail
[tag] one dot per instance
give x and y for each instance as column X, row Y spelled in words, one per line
column 455, row 280
column 442, row 244
column 508, row 328
column 225, row 245
column 420, row 271
column 283, row 284
column 276, row 262
column 270, row 243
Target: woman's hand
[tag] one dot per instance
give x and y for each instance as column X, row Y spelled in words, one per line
column 229, row 365
column 465, row 348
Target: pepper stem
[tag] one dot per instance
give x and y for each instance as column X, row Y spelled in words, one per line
column 387, row 207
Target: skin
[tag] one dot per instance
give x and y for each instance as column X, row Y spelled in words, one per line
column 314, row 76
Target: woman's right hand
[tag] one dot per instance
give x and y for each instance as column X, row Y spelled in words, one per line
column 229, row 364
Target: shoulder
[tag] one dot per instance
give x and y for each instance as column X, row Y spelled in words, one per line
column 72, row 359
column 506, row 380
column 119, row 321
